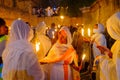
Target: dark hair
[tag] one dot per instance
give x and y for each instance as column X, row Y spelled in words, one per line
column 2, row 22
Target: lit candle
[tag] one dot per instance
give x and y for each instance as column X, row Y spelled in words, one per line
column 37, row 46
column 82, row 31
column 83, row 57
column 53, row 34
column 58, row 25
column 89, row 32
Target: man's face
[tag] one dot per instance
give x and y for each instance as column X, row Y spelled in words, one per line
column 95, row 27
column 3, row 30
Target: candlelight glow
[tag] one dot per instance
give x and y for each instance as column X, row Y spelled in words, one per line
column 37, row 46
column 82, row 31
column 53, row 33
column 58, row 25
column 89, row 32
column 56, row 30
column 83, row 57
column 62, row 17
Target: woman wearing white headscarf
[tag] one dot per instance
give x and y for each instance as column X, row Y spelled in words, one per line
column 19, row 59
column 61, row 55
column 98, row 39
column 45, row 42
column 110, row 62
column 45, row 45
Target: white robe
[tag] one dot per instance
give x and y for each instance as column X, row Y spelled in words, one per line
column 99, row 39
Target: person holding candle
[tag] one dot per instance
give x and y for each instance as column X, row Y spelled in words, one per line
column 98, row 38
column 19, row 59
column 61, row 55
column 43, row 44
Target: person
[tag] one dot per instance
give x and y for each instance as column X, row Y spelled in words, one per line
column 98, row 39
column 45, row 45
column 3, row 37
column 19, row 59
column 52, row 34
column 43, row 39
column 110, row 61
column 3, row 41
column 61, row 55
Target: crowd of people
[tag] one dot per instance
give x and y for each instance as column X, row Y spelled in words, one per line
column 57, row 56
column 46, row 12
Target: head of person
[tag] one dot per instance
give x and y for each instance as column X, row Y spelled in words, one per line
column 20, row 31
column 3, row 29
column 113, row 26
column 53, row 25
column 64, row 36
column 98, row 28
column 41, row 28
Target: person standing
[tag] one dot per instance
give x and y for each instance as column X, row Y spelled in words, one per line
column 19, row 59
column 110, row 61
column 98, row 38
column 3, row 37
column 61, row 55
column 44, row 47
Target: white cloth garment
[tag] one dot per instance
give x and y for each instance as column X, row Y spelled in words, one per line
column 98, row 39
column 61, row 58
column 45, row 42
column 111, row 67
column 19, row 59
column 45, row 45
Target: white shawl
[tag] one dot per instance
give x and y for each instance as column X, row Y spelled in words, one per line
column 19, row 56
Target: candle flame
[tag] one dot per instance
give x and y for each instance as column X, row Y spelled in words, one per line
column 37, row 46
column 89, row 32
column 82, row 32
column 53, row 33
column 83, row 57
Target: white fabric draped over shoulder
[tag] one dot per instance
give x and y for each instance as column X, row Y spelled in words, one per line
column 110, row 68
column 113, row 28
column 45, row 42
column 98, row 39
column 19, row 59
column 57, row 51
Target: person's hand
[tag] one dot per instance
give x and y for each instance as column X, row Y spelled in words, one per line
column 86, row 39
column 105, row 50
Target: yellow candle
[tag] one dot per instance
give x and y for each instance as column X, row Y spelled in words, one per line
column 89, row 32
column 82, row 31
column 53, row 33
column 83, row 57
column 37, row 46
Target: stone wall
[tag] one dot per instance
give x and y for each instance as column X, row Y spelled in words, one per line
column 100, row 11
column 10, row 14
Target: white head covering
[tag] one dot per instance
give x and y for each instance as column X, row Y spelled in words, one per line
column 18, row 54
column 113, row 26
column 100, row 28
column 69, row 37
column 19, row 31
column 41, row 27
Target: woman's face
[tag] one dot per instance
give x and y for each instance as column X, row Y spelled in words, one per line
column 62, row 37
